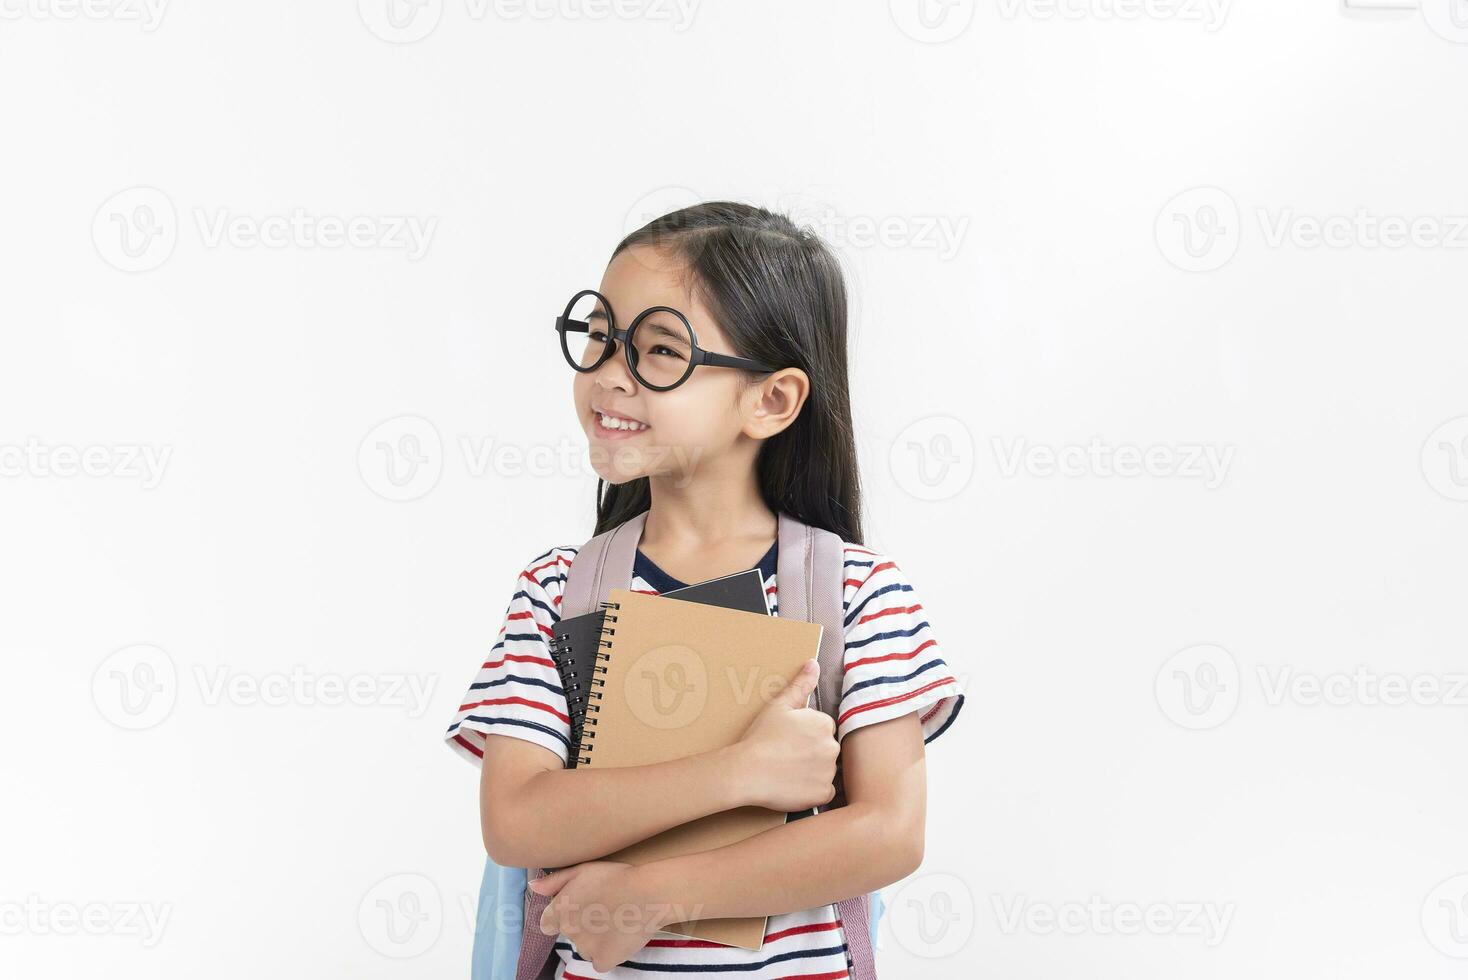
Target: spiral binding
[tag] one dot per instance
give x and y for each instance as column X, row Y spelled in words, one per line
column 563, row 656
column 584, row 740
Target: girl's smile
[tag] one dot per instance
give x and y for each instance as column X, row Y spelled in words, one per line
column 609, row 425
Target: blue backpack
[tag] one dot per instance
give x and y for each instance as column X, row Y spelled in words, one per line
column 508, row 944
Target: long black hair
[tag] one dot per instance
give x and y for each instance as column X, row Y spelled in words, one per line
column 777, row 292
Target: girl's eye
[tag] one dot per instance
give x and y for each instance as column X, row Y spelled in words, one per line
column 599, row 336
column 660, row 349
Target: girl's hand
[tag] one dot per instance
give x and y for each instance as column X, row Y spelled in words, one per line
column 787, row 756
column 602, row 907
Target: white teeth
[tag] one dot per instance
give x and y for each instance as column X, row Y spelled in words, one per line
column 607, row 422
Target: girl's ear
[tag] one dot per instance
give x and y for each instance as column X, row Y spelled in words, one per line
column 775, row 402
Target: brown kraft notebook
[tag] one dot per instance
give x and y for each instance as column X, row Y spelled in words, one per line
column 682, row 678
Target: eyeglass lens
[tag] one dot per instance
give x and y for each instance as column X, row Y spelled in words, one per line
column 661, row 345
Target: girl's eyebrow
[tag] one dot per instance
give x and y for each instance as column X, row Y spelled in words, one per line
column 665, row 331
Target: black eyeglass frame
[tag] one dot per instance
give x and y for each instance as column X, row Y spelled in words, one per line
column 565, row 324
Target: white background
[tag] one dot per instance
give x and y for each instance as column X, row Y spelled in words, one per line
column 1141, row 732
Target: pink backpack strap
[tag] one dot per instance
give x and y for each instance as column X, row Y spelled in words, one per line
column 602, row 564
column 811, row 581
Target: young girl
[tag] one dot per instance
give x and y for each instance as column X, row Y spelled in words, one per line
column 713, row 453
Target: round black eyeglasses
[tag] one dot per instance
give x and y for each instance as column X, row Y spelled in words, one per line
column 660, row 346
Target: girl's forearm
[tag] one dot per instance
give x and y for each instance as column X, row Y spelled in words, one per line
column 800, row 865
column 565, row 816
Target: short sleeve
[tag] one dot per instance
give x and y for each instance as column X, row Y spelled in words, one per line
column 894, row 665
column 517, row 690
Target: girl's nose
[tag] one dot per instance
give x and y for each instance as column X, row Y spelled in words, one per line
column 614, row 371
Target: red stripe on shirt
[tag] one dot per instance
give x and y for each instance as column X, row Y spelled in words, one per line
column 558, row 560
column 893, row 656
column 888, row 612
column 516, row 700
column 519, row 658
column 469, row 745
column 895, row 699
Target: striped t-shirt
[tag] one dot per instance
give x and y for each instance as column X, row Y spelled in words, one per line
column 893, row 666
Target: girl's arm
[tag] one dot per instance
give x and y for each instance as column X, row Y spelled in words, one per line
column 876, row 839
column 536, row 814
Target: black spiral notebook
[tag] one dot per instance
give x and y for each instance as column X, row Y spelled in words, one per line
column 576, row 639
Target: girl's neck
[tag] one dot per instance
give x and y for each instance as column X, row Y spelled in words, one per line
column 706, row 528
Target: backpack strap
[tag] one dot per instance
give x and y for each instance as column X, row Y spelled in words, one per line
column 810, row 574
column 600, row 565
column 810, row 581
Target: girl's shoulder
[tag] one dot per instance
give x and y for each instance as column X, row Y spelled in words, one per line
column 543, row 577
column 867, row 568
